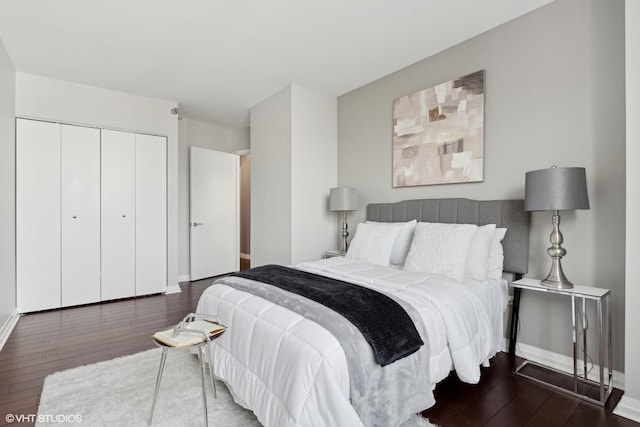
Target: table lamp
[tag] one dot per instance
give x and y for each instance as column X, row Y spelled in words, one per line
column 343, row 199
column 556, row 189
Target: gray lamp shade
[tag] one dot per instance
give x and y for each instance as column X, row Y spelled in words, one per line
column 556, row 189
column 343, row 199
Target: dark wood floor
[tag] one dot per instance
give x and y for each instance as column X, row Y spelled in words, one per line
column 505, row 399
column 47, row 342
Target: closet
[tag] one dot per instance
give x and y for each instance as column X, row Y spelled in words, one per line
column 91, row 215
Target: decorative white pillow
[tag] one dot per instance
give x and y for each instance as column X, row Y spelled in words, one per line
column 403, row 242
column 373, row 243
column 496, row 255
column 440, row 249
column 478, row 259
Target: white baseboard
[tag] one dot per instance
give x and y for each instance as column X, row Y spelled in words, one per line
column 561, row 362
column 628, row 408
column 175, row 289
column 184, row 278
column 7, row 327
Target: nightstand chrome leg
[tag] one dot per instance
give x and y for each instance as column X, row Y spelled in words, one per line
column 575, row 343
column 515, row 315
column 610, row 345
column 585, row 326
column 600, row 348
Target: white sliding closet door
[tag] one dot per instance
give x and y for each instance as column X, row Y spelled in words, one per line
column 91, row 215
column 37, row 215
column 80, row 180
column 151, row 214
column 118, row 214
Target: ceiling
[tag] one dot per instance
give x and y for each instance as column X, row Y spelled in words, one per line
column 218, row 58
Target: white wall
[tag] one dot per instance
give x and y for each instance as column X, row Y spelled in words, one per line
column 553, row 96
column 633, row 196
column 240, row 139
column 293, row 157
column 314, row 172
column 629, row 405
column 7, row 188
column 271, row 180
column 206, row 135
column 50, row 99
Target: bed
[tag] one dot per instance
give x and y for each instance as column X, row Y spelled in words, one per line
column 293, row 363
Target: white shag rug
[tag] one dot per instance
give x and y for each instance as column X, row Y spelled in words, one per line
column 119, row 392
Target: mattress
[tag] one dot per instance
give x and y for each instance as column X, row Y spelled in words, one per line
column 493, row 294
column 292, row 372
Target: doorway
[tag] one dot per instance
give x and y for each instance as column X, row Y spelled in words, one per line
column 245, row 211
column 214, row 213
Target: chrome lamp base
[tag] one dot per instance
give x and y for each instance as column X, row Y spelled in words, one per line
column 556, row 278
column 345, row 233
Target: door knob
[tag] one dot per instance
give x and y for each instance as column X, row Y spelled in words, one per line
column 195, row 224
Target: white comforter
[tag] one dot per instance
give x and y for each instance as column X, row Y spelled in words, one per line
column 291, row 372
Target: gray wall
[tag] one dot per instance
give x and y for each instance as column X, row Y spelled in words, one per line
column 554, row 96
column 7, row 187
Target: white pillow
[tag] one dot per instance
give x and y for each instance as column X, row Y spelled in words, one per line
column 403, row 242
column 440, row 249
column 478, row 259
column 496, row 255
column 373, row 243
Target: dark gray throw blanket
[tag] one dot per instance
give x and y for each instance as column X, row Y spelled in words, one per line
column 385, row 325
column 382, row 396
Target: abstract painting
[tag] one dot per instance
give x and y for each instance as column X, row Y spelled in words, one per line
column 438, row 133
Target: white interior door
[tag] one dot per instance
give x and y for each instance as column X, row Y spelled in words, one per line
column 214, row 213
column 37, row 215
column 80, row 179
column 151, row 214
column 118, row 169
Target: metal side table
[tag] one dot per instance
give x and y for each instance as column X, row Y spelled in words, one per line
column 602, row 299
column 202, row 351
column 331, row 254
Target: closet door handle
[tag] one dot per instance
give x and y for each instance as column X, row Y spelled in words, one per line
column 195, row 224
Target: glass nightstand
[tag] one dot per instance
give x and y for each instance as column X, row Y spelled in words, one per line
column 331, row 254
column 579, row 295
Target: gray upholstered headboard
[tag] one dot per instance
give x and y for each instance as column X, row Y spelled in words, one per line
column 503, row 213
